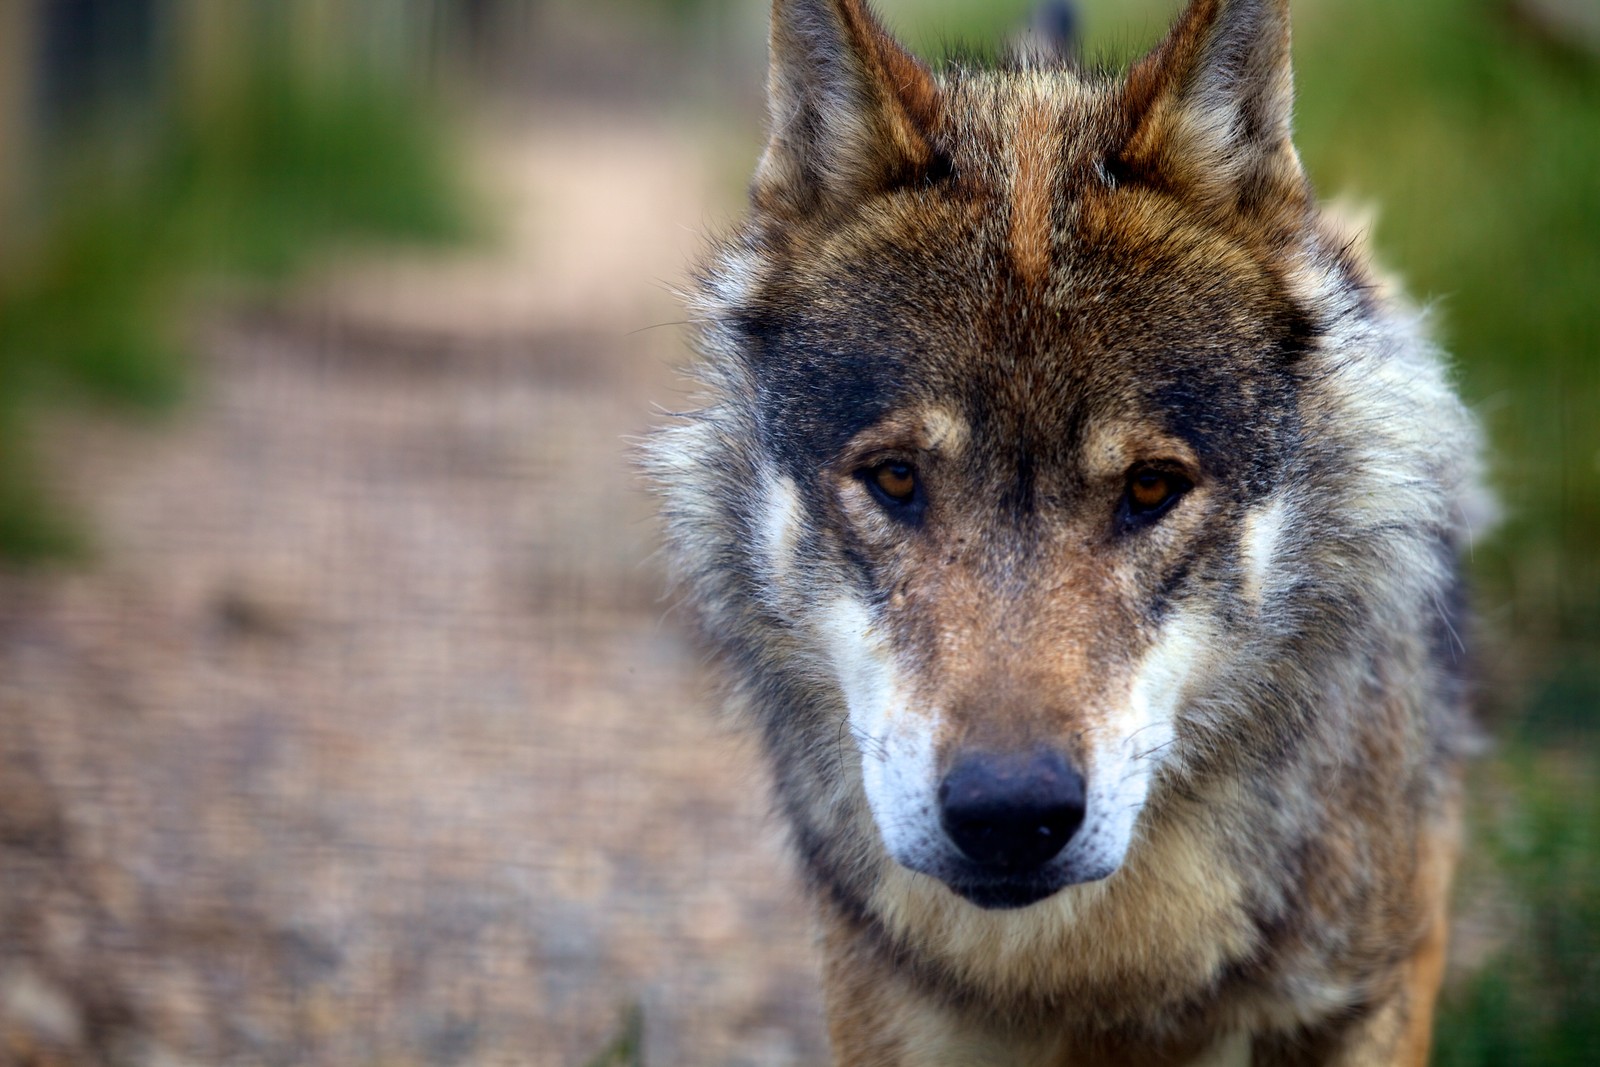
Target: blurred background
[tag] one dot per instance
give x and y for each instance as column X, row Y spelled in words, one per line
column 342, row 716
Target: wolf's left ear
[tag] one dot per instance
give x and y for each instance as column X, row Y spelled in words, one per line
column 1211, row 108
column 850, row 110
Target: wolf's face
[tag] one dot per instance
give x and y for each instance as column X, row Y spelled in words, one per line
column 997, row 502
column 1006, row 462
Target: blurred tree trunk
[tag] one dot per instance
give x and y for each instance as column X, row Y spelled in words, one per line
column 17, row 55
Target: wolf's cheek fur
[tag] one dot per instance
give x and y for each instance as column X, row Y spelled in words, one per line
column 1263, row 530
column 897, row 740
column 1140, row 737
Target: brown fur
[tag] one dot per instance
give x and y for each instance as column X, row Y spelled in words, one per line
column 1032, row 229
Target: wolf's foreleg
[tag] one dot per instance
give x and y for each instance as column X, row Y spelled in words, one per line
column 1400, row 1032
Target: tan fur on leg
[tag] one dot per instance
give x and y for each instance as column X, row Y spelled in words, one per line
column 1400, row 1034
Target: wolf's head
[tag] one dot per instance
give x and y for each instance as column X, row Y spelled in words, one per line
column 1053, row 432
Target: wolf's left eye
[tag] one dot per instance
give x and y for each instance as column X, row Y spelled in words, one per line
column 1150, row 494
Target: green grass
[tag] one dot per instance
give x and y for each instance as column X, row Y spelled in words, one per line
column 1534, row 867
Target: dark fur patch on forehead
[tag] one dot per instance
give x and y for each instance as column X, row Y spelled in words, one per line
column 820, row 384
column 1222, row 378
column 1231, row 392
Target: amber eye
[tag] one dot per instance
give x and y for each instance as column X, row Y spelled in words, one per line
column 1150, row 493
column 895, row 486
column 1148, row 490
column 897, row 481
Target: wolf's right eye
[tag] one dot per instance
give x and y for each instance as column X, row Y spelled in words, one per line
column 895, row 485
column 897, row 481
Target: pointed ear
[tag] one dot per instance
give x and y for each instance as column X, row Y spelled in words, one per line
column 850, row 110
column 1211, row 108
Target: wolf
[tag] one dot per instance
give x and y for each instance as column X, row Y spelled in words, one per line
column 1077, row 513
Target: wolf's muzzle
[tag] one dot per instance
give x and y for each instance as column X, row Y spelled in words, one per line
column 1011, row 813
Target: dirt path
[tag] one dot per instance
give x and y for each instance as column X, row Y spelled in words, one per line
column 365, row 741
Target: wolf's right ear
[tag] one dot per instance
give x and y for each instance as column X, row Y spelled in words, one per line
column 850, row 110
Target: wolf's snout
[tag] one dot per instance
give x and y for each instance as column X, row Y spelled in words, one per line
column 1012, row 812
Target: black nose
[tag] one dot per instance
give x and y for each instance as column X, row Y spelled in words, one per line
column 1012, row 811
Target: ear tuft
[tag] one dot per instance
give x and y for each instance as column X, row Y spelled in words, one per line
column 1211, row 108
column 850, row 111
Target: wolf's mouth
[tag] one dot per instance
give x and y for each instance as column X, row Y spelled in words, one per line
column 1008, row 892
